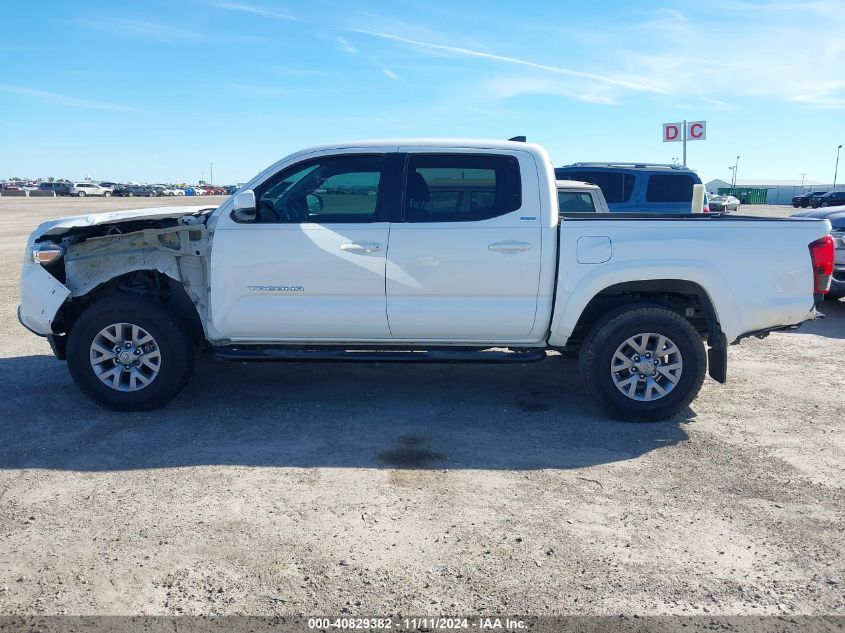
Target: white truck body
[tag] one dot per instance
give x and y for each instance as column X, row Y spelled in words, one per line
column 525, row 279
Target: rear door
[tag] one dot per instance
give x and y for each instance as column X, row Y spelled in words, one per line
column 464, row 258
column 311, row 267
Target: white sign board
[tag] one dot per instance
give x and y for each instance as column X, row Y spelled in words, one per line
column 674, row 132
column 696, row 130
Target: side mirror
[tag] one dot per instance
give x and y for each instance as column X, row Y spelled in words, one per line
column 243, row 207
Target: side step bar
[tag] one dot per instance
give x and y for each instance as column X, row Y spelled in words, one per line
column 289, row 354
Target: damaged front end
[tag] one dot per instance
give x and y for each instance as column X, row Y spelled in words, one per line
column 71, row 262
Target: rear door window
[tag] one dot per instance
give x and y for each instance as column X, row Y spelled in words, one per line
column 461, row 187
column 669, row 188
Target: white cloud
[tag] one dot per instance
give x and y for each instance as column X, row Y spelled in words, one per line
column 466, row 52
column 254, row 9
column 66, row 100
column 506, row 87
column 346, row 46
column 149, row 30
column 390, row 74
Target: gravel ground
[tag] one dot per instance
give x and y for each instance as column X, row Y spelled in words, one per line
column 333, row 489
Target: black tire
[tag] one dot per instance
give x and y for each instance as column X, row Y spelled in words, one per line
column 609, row 333
column 171, row 335
column 796, row 204
column 107, row 194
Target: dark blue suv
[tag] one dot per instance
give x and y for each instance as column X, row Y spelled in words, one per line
column 638, row 187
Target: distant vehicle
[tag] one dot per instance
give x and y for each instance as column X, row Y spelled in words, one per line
column 59, row 188
column 168, row 190
column 637, row 187
column 829, row 199
column 836, row 216
column 110, row 185
column 131, row 191
column 723, row 204
column 803, row 200
column 11, row 186
column 579, row 197
column 82, row 189
column 194, row 191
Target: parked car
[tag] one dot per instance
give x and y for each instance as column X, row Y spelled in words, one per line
column 579, row 197
column 420, row 277
column 722, row 204
column 194, row 191
column 82, row 189
column 59, row 188
column 836, row 217
column 168, row 190
column 803, row 200
column 828, row 199
column 637, row 187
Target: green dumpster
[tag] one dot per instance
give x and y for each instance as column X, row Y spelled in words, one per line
column 746, row 195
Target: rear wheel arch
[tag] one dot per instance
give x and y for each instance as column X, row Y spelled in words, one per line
column 686, row 298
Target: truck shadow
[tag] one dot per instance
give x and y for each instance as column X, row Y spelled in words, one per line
column 325, row 415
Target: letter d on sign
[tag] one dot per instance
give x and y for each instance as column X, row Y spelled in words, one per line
column 672, row 132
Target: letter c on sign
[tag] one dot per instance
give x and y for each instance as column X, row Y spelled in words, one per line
column 696, row 130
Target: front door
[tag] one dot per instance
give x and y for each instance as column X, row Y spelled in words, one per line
column 311, row 266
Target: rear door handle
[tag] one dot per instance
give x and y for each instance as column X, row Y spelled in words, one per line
column 361, row 247
column 509, row 246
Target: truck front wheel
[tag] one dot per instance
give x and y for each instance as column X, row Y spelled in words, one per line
column 129, row 353
column 646, row 363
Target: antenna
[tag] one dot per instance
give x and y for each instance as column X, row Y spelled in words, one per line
column 518, row 139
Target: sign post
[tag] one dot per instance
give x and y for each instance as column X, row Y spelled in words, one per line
column 683, row 132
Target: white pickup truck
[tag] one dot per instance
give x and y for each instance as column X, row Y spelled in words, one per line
column 431, row 250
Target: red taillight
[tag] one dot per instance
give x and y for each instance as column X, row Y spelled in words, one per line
column 822, row 255
column 706, row 209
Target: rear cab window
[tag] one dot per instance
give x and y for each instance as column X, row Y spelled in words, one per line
column 669, row 188
column 575, row 202
column 615, row 185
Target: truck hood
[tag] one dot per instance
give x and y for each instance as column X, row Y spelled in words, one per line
column 62, row 225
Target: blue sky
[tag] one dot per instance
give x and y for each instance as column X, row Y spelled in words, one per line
column 155, row 91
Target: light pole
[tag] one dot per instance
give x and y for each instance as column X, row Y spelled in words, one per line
column 802, row 181
column 731, row 169
column 736, row 167
column 210, row 173
column 836, row 171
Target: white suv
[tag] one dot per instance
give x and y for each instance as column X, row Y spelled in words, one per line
column 82, row 189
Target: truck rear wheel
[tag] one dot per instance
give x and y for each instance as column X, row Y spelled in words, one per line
column 129, row 353
column 646, row 363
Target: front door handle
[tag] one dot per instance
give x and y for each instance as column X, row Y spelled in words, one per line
column 509, row 246
column 361, row 247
